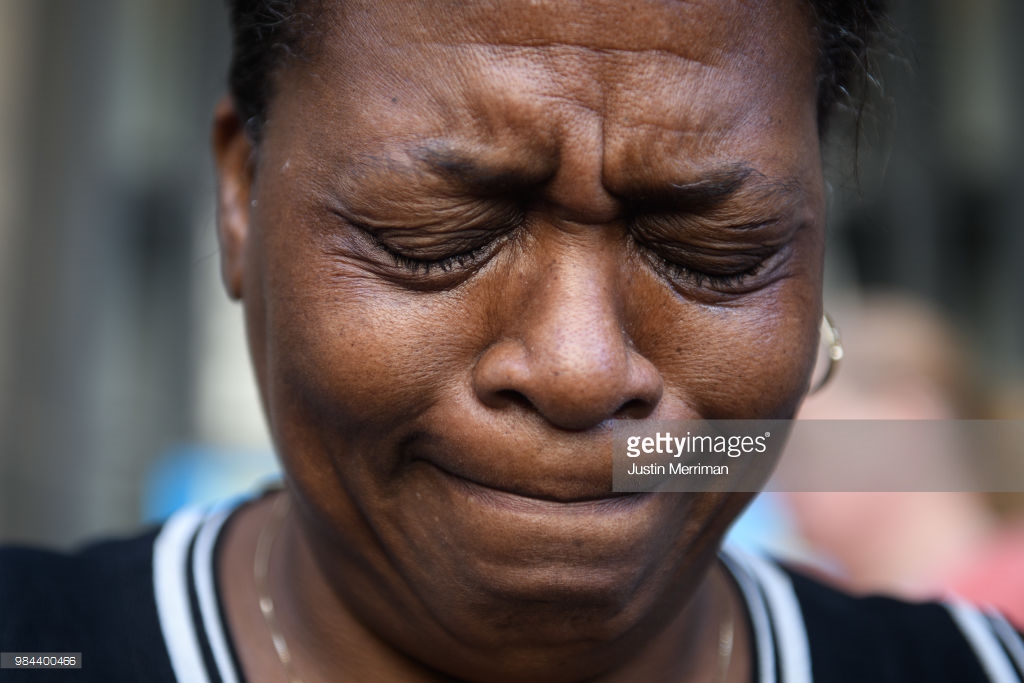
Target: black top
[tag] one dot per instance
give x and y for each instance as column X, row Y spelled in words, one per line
column 148, row 609
column 98, row 602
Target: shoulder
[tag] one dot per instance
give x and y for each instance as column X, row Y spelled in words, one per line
column 907, row 641
column 97, row 600
column 822, row 634
column 145, row 608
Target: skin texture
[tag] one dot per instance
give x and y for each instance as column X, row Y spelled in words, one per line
column 472, row 235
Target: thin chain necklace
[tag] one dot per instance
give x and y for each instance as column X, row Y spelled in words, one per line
column 726, row 640
column 261, row 559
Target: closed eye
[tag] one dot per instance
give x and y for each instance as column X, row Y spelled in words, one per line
column 437, row 243
column 700, row 254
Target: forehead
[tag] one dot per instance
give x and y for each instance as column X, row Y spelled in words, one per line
column 509, row 19
column 704, row 81
column 690, row 28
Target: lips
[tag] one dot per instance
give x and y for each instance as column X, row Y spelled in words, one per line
column 553, row 493
column 560, row 473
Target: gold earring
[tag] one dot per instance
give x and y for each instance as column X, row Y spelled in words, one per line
column 830, row 336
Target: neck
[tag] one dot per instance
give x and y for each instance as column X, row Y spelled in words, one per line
column 684, row 647
column 329, row 641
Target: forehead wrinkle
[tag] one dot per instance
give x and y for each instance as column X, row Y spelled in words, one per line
column 489, row 118
column 696, row 31
column 673, row 27
column 588, row 77
column 547, row 47
column 387, row 33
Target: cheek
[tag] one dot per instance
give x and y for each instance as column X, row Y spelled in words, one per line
column 350, row 366
column 749, row 360
column 352, row 353
column 775, row 360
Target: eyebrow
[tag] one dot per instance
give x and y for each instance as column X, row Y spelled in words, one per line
column 471, row 171
column 715, row 187
column 712, row 187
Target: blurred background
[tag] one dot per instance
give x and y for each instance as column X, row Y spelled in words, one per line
column 126, row 382
column 126, row 387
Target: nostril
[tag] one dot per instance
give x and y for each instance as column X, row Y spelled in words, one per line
column 634, row 409
column 510, row 397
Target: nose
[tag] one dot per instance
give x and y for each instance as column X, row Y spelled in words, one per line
column 567, row 354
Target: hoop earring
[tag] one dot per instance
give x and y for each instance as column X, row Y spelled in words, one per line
column 830, row 336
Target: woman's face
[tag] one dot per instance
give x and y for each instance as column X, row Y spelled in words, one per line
column 473, row 235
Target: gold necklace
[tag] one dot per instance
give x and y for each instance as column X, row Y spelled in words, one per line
column 726, row 640
column 261, row 559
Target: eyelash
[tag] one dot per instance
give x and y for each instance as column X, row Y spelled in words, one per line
column 727, row 283
column 446, row 264
column 700, row 279
column 696, row 278
column 677, row 271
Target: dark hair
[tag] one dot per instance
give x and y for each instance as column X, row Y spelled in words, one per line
column 269, row 32
column 848, row 30
column 265, row 34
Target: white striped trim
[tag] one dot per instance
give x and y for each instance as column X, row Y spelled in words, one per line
column 170, row 587
column 203, row 570
column 981, row 637
column 764, row 641
column 794, row 652
column 1011, row 639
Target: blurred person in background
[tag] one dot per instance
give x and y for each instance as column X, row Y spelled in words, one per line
column 905, row 361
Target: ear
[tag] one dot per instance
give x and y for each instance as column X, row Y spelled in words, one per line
column 233, row 155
